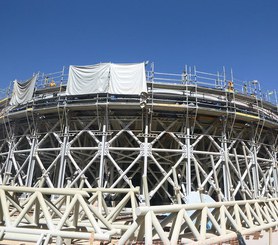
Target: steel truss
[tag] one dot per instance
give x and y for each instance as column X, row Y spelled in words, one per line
column 174, row 160
column 202, row 223
column 74, row 214
column 177, row 139
column 83, row 214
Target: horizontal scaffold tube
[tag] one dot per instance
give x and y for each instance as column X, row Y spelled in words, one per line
column 143, row 210
column 67, row 191
column 54, row 233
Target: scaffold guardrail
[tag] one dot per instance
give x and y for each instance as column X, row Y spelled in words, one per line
column 190, row 76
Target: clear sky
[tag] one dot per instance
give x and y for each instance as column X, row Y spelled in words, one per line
column 38, row 35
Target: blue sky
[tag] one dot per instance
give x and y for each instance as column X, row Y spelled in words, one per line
column 45, row 35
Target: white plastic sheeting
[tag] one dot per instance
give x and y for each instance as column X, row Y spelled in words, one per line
column 107, row 78
column 23, row 92
column 88, row 79
column 127, row 79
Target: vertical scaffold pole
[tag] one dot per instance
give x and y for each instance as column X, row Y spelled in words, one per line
column 8, row 167
column 101, row 167
column 32, row 161
column 146, row 151
column 145, row 169
column 226, row 170
column 255, row 171
column 188, row 165
column 275, row 172
column 63, row 161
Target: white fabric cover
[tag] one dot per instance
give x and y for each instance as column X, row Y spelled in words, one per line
column 88, row 79
column 127, row 79
column 107, row 78
column 23, row 92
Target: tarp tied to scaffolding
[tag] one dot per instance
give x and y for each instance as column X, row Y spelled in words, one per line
column 128, row 79
column 23, row 92
column 88, row 79
column 107, row 78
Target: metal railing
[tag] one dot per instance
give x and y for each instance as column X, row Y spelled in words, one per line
column 58, row 78
column 215, row 81
column 190, row 76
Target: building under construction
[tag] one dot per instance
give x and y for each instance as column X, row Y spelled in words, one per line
column 123, row 154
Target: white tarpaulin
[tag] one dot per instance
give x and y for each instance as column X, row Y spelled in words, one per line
column 88, row 79
column 107, row 78
column 23, row 92
column 127, row 79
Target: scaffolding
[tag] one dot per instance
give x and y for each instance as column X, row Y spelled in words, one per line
column 67, row 159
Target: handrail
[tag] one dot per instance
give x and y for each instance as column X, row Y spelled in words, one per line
column 217, row 81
